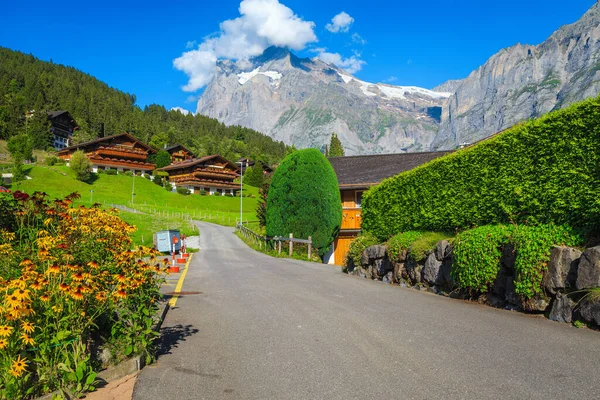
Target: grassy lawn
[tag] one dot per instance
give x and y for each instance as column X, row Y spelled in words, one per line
column 161, row 209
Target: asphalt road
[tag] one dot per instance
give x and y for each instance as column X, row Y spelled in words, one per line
column 266, row 328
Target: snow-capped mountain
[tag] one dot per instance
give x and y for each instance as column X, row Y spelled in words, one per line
column 302, row 101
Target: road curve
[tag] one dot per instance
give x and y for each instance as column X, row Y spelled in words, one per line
column 265, row 328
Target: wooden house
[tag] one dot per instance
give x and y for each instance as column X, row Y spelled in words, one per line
column 213, row 174
column 246, row 162
column 62, row 126
column 122, row 152
column 355, row 175
column 179, row 153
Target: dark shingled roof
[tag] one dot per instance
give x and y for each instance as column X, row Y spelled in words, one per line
column 102, row 139
column 171, row 149
column 195, row 161
column 365, row 171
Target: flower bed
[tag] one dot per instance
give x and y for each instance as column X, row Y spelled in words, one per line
column 74, row 296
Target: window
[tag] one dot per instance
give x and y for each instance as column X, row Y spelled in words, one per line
column 358, row 198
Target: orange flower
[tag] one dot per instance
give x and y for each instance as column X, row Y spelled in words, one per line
column 45, row 298
column 63, row 287
column 77, row 277
column 5, row 330
column 77, row 295
column 101, row 296
column 93, row 264
column 37, row 285
column 19, row 366
column 120, row 278
column 54, row 269
column 120, row 294
column 3, row 343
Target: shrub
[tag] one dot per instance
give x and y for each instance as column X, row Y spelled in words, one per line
column 71, row 284
column 542, row 171
column 128, row 173
column 204, row 193
column 81, row 165
column 110, row 171
column 533, row 245
column 304, row 199
column 53, row 160
column 183, row 191
column 358, row 245
column 401, row 243
column 477, row 254
column 425, row 243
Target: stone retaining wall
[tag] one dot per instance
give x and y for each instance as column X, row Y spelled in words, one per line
column 569, row 273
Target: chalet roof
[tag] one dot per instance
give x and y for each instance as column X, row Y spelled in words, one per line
column 366, row 171
column 102, row 139
column 175, row 147
column 196, row 161
column 54, row 114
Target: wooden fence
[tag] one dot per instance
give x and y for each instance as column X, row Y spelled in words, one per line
column 274, row 243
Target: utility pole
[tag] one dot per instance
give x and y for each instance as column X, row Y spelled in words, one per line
column 132, row 186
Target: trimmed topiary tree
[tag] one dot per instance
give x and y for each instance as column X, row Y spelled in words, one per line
column 81, row 165
column 304, row 199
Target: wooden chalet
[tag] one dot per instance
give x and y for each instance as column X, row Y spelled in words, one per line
column 179, row 153
column 213, row 174
column 122, row 152
column 62, row 126
column 246, row 162
column 355, row 175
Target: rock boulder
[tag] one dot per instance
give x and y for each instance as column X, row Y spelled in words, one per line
column 562, row 309
column 588, row 272
column 562, row 269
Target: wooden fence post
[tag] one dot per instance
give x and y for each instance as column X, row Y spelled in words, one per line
column 279, row 246
column 309, row 246
column 291, row 244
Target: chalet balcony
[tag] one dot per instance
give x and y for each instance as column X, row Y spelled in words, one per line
column 351, row 218
column 115, row 152
column 215, row 174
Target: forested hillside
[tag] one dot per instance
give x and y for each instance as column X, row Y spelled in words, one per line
column 27, row 83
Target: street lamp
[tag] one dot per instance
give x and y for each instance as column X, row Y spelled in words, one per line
column 241, row 184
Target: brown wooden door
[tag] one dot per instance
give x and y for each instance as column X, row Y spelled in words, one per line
column 342, row 245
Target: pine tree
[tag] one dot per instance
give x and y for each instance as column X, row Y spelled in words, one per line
column 335, row 147
column 261, row 208
column 255, row 176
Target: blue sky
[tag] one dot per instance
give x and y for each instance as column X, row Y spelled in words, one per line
column 132, row 45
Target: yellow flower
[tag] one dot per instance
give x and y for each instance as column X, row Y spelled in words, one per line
column 45, row 298
column 18, row 367
column 21, row 294
column 27, row 339
column 100, row 296
column 78, row 277
column 27, row 326
column 5, row 330
column 120, row 294
column 3, row 343
column 12, row 301
column 120, row 278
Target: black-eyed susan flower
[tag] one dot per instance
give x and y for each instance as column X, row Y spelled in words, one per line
column 5, row 330
column 18, row 367
column 27, row 326
column 28, row 340
column 3, row 343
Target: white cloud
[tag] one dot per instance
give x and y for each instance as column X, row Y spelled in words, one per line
column 190, row 44
column 262, row 23
column 181, row 110
column 351, row 64
column 340, row 23
column 191, row 99
column 356, row 38
column 391, row 79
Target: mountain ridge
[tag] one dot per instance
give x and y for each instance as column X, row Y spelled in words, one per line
column 301, row 101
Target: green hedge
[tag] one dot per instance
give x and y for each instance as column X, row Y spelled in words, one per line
column 542, row 171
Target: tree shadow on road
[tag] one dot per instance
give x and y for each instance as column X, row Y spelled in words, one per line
column 171, row 336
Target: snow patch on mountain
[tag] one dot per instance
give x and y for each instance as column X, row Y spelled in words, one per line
column 246, row 76
column 393, row 92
